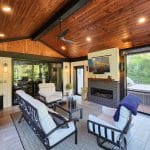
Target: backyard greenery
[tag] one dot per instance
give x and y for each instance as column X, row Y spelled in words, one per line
column 138, row 68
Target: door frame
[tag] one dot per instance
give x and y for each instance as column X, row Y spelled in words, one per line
column 75, row 78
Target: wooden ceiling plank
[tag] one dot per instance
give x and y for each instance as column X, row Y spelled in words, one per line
column 66, row 11
column 52, row 48
column 27, row 17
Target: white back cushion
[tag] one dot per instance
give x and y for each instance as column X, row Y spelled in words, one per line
column 46, row 89
column 123, row 118
column 25, row 96
column 45, row 119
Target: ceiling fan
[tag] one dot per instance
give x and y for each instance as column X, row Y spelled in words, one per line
column 63, row 33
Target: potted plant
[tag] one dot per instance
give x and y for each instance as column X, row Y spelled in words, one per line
column 84, row 91
column 69, row 89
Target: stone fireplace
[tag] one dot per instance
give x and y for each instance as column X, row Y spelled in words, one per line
column 103, row 91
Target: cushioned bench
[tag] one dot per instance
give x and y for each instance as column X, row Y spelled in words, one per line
column 38, row 116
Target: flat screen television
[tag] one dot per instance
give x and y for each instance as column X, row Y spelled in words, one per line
column 99, row 65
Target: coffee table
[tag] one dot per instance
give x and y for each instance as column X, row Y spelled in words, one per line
column 67, row 108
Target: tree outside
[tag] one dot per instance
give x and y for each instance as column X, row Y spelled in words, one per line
column 138, row 68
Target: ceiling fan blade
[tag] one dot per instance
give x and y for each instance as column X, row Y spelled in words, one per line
column 66, row 41
column 63, row 33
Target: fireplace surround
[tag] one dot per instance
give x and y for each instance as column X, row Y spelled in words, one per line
column 103, row 91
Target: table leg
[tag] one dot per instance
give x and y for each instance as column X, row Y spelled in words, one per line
column 81, row 113
column 70, row 115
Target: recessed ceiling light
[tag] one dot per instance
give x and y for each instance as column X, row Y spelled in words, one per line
column 6, row 8
column 2, row 34
column 125, row 36
column 88, row 39
column 141, row 20
column 63, row 47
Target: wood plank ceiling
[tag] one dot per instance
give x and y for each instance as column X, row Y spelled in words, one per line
column 109, row 23
column 27, row 16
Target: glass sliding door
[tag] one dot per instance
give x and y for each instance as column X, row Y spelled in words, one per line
column 22, row 78
column 79, row 79
column 40, row 74
column 28, row 74
column 138, row 78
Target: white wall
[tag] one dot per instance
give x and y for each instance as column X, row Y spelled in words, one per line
column 114, row 63
column 66, row 75
column 80, row 63
column 6, row 81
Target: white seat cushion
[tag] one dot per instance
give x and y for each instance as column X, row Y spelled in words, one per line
column 52, row 98
column 107, row 118
column 61, row 133
column 108, row 111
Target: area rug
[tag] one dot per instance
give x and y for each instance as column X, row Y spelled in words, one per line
column 86, row 141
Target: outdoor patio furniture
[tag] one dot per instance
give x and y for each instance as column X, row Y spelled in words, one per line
column 39, row 117
column 71, row 107
column 107, row 130
column 113, row 124
column 48, row 93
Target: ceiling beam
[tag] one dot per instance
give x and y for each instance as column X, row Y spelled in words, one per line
column 14, row 39
column 22, row 56
column 63, row 13
column 79, row 59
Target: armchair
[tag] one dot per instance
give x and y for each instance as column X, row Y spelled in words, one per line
column 107, row 130
column 48, row 94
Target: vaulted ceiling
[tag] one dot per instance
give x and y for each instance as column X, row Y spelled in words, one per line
column 108, row 23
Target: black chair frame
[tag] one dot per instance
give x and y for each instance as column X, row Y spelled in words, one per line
column 30, row 114
column 101, row 140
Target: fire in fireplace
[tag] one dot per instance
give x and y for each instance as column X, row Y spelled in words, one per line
column 102, row 93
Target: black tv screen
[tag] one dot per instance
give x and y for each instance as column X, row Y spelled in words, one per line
column 99, row 65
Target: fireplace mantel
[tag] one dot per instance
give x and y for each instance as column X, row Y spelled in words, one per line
column 102, row 79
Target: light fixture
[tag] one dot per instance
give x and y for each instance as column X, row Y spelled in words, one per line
column 93, row 59
column 2, row 34
column 6, row 8
column 125, row 36
column 63, row 47
column 141, row 20
column 5, row 67
column 88, row 39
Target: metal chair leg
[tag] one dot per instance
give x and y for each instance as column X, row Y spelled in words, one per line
column 19, row 121
column 76, row 137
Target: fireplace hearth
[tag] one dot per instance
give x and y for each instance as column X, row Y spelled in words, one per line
column 104, row 92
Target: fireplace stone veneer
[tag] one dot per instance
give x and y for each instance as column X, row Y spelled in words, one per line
column 104, row 92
